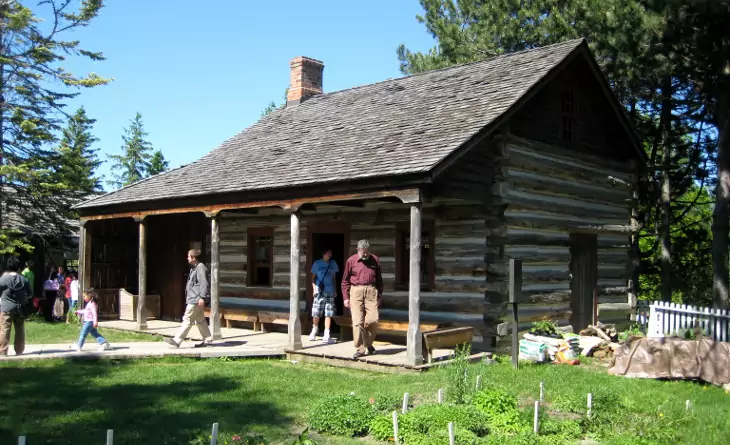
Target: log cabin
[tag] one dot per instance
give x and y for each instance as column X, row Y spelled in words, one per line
column 449, row 174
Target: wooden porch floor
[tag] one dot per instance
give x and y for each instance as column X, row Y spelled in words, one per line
column 235, row 343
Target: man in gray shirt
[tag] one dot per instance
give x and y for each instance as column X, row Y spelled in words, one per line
column 14, row 295
column 197, row 294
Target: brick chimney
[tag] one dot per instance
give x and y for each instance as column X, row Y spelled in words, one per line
column 306, row 80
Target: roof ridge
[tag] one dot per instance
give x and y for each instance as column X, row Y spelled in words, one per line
column 576, row 41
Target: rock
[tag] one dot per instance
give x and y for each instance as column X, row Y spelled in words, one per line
column 600, row 354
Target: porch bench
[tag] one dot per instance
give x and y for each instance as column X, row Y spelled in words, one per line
column 445, row 338
column 383, row 325
column 236, row 314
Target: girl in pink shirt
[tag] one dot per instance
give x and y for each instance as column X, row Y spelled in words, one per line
column 91, row 322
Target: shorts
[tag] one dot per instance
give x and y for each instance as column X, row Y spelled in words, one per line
column 324, row 303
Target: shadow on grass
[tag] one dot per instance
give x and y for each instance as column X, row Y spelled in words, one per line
column 75, row 402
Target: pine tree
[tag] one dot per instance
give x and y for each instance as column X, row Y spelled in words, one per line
column 135, row 161
column 33, row 89
column 636, row 48
column 158, row 164
column 76, row 159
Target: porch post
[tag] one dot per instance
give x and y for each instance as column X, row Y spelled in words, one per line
column 84, row 274
column 414, row 353
column 295, row 323
column 142, row 287
column 215, row 250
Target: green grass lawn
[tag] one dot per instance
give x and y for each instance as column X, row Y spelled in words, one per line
column 39, row 331
column 167, row 401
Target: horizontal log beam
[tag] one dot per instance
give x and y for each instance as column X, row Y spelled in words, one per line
column 405, row 195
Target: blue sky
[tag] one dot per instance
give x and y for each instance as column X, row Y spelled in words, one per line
column 200, row 72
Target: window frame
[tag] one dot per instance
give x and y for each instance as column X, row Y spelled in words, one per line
column 402, row 277
column 252, row 235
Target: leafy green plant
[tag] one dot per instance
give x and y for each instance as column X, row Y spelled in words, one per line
column 381, row 428
column 462, row 436
column 457, row 375
column 342, row 415
column 568, row 429
column 500, row 408
column 545, row 328
column 634, row 330
column 425, row 419
column 387, row 403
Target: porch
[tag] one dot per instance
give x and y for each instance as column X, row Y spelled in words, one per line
column 260, row 273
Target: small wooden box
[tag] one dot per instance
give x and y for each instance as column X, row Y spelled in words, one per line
column 128, row 306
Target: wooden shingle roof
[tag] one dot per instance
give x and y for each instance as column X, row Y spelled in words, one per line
column 395, row 127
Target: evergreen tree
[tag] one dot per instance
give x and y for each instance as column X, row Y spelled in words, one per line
column 33, row 89
column 135, row 161
column 76, row 159
column 158, row 164
column 637, row 49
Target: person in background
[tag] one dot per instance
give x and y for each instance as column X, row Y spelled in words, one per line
column 30, row 276
column 363, row 281
column 14, row 296
column 197, row 295
column 72, row 293
column 91, row 322
column 324, row 271
column 50, row 293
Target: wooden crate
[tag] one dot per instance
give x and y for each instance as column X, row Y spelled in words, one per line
column 128, row 306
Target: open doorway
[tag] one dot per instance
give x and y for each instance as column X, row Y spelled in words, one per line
column 320, row 238
column 584, row 283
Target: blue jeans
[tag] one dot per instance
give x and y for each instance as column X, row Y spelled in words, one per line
column 88, row 328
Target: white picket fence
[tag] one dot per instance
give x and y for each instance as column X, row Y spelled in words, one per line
column 110, row 437
column 669, row 318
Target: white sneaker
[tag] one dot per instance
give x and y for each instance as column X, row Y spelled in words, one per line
column 76, row 347
column 104, row 346
column 313, row 335
column 327, row 340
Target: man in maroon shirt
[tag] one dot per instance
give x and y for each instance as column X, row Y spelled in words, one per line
column 362, row 291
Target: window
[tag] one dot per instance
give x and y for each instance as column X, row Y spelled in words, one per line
column 402, row 256
column 260, row 258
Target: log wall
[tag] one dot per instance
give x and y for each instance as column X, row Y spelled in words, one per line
column 549, row 193
column 459, row 247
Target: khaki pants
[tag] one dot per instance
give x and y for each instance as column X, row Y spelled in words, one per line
column 364, row 309
column 8, row 320
column 194, row 315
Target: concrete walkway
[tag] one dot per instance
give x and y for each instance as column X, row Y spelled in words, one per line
column 235, row 343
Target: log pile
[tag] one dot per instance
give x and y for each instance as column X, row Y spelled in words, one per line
column 607, row 333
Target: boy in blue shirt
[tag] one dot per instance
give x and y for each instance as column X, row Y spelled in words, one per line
column 323, row 281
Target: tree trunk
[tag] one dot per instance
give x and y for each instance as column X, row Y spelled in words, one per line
column 721, row 216
column 665, row 124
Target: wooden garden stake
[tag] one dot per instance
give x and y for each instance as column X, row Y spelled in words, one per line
column 441, row 395
column 590, row 404
column 536, row 420
column 479, row 382
column 451, row 433
column 405, row 403
column 21, row 440
column 395, row 427
column 515, row 291
column 542, row 392
column 109, row 437
column 214, row 435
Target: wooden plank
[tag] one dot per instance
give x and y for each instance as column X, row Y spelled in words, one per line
column 448, row 338
column 274, row 318
column 215, row 321
column 405, row 195
column 414, row 352
column 142, row 275
column 293, row 320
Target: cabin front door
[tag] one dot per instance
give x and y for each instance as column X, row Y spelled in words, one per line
column 322, row 236
column 584, row 282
